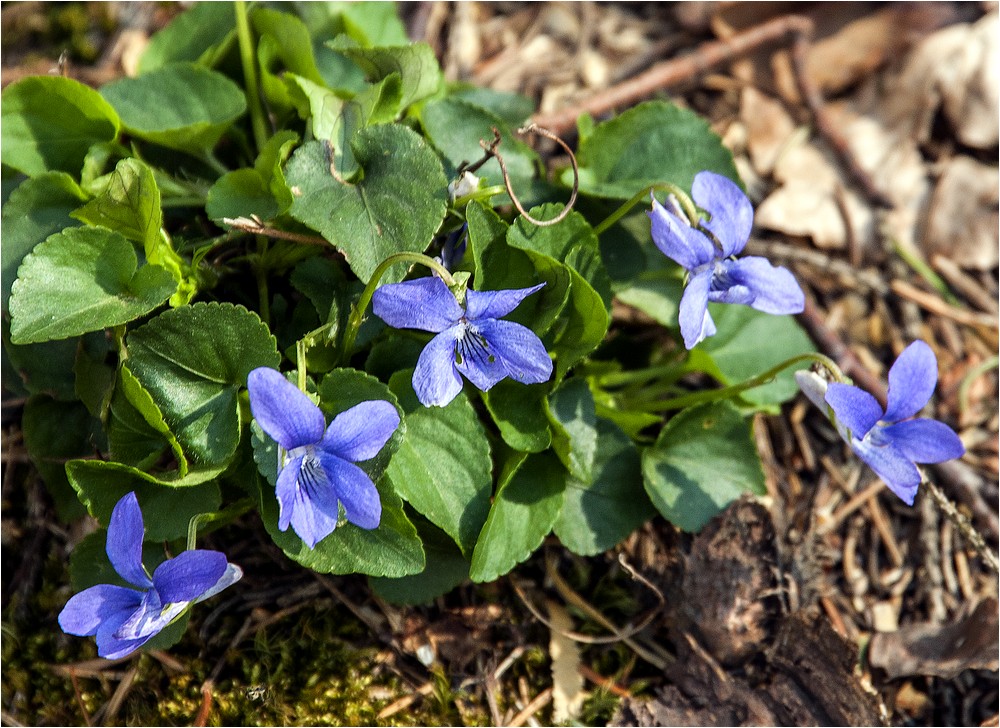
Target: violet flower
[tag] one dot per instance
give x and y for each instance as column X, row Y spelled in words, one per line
column 124, row 619
column 707, row 253
column 472, row 341
column 889, row 441
column 320, row 472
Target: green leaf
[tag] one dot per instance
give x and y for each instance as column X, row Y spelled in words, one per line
column 598, row 514
column 574, row 427
column 584, row 320
column 455, row 127
column 194, row 361
column 396, row 207
column 582, row 324
column 371, row 23
column 45, row 368
column 653, row 142
column 749, row 342
column 55, row 432
column 240, row 193
column 181, row 106
column 130, row 205
column 513, row 109
column 519, row 411
column 341, row 389
column 283, row 44
column 49, row 123
column 260, row 191
column 655, row 293
column 526, row 506
column 704, row 459
column 416, row 65
column 500, row 266
column 446, row 568
column 168, row 502
column 203, row 33
column 555, row 241
column 137, row 432
column 80, row 280
column 443, row 469
column 37, row 208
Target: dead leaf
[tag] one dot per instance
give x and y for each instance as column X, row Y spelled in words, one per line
column 954, row 70
column 806, row 203
column 567, row 682
column 769, row 128
column 963, row 221
column 941, row 650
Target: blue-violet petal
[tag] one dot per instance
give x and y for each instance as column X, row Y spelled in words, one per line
column 282, row 410
column 360, row 432
column 912, row 379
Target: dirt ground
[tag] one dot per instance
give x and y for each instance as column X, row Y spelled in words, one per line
column 867, row 136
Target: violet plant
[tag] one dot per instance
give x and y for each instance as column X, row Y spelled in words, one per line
column 891, row 441
column 123, row 619
column 164, row 275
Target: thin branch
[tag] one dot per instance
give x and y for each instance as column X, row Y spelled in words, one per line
column 491, row 151
column 256, row 226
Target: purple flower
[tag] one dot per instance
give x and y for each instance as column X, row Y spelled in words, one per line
column 890, row 442
column 124, row 619
column 319, row 473
column 472, row 341
column 708, row 253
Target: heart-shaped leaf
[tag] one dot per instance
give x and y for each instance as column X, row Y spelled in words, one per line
column 653, row 142
column 49, row 123
column 416, row 65
column 202, row 33
column 80, row 280
column 704, row 459
column 180, row 106
column 194, row 361
column 599, row 514
column 443, row 469
column 397, row 205
column 168, row 502
column 37, row 208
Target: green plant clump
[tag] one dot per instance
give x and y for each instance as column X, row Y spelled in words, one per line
column 290, row 270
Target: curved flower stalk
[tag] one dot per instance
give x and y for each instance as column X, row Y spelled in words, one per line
column 708, row 254
column 319, row 474
column 890, row 441
column 124, row 619
column 472, row 341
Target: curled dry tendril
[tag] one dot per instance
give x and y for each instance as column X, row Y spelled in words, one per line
column 491, row 152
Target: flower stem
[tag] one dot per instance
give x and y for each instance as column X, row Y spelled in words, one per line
column 228, row 515
column 641, row 195
column 261, row 275
column 661, row 371
column 257, row 119
column 713, row 395
column 358, row 313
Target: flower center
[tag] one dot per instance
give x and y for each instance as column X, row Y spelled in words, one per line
column 311, row 475
column 471, row 345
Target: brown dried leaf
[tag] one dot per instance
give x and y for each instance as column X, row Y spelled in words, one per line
column 941, row 650
column 567, row 682
column 963, row 222
column 956, row 70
